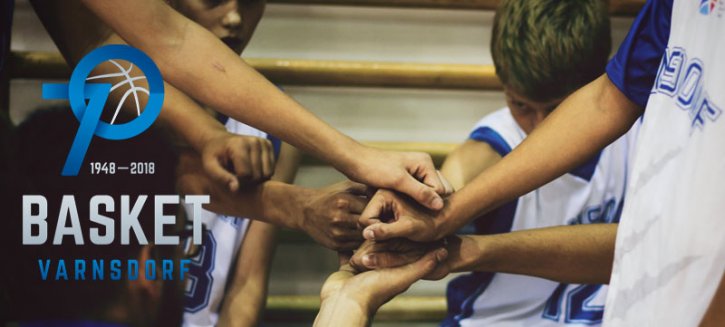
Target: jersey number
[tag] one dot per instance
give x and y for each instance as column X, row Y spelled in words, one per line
column 578, row 308
column 198, row 286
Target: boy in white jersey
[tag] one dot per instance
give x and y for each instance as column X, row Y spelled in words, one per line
column 543, row 50
column 670, row 251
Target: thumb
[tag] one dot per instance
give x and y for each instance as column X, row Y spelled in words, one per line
column 218, row 173
column 403, row 276
column 421, row 192
column 401, row 228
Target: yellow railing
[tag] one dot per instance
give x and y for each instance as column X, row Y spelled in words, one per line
column 616, row 7
column 45, row 65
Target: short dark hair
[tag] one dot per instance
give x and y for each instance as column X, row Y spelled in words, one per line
column 546, row 49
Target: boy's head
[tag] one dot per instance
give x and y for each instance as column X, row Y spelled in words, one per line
column 544, row 50
column 233, row 21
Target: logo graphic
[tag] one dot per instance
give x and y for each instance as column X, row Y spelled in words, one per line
column 89, row 115
column 707, row 6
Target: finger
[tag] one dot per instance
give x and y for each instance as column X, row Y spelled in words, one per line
column 402, row 277
column 371, row 221
column 347, row 222
column 357, row 204
column 255, row 161
column 403, row 228
column 378, row 260
column 438, row 273
column 421, row 193
column 268, row 160
column 240, row 162
column 374, row 208
column 348, row 245
column 216, row 171
column 447, row 187
column 347, row 234
column 432, row 178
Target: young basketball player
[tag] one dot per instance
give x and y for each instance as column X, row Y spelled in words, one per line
column 543, row 51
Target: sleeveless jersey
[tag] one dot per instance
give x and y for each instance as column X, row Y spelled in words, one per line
column 210, row 269
column 592, row 193
column 670, row 249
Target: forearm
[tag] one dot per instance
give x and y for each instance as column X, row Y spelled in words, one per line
column 183, row 116
column 189, row 56
column 572, row 254
column 342, row 311
column 246, row 297
column 583, row 124
column 273, row 202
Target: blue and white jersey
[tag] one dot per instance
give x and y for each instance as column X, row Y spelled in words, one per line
column 207, row 282
column 590, row 194
column 670, row 249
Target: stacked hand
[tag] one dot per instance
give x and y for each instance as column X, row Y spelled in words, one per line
column 391, row 215
column 331, row 215
column 411, row 173
column 235, row 160
column 348, row 298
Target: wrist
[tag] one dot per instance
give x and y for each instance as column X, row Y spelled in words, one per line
column 300, row 205
column 463, row 252
column 443, row 222
column 338, row 306
column 283, row 204
column 206, row 134
column 353, row 158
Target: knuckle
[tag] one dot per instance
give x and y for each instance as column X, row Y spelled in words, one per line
column 342, row 203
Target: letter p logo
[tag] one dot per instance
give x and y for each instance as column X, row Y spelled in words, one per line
column 89, row 115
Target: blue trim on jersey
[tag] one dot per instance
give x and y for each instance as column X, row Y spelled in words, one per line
column 586, row 171
column 463, row 291
column 634, row 68
column 67, row 323
column 460, row 298
column 493, row 138
column 222, row 118
column 276, row 144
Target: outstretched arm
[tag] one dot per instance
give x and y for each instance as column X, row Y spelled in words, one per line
column 76, row 31
column 189, row 56
column 583, row 124
column 329, row 215
column 587, row 252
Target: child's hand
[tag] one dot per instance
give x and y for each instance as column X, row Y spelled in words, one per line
column 370, row 290
column 411, row 173
column 389, row 254
column 232, row 159
column 331, row 215
column 390, row 215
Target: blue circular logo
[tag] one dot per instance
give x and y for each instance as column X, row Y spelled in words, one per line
column 76, row 90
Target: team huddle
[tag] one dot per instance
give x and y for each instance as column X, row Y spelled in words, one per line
column 593, row 198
